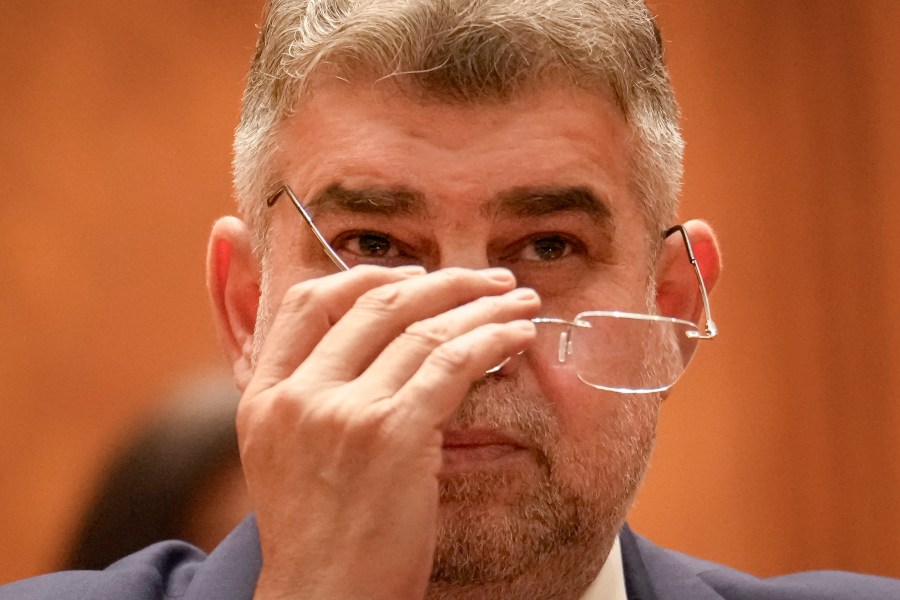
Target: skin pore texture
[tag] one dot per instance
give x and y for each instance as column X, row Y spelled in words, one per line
column 381, row 460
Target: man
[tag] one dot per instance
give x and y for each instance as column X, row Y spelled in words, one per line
column 453, row 306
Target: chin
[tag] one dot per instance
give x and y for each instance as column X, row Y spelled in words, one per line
column 498, row 527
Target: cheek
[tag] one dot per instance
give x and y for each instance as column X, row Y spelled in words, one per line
column 604, row 431
column 613, row 289
column 582, row 411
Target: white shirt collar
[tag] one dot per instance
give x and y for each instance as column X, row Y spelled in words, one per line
column 610, row 582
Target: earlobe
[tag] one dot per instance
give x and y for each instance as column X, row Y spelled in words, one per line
column 678, row 291
column 232, row 277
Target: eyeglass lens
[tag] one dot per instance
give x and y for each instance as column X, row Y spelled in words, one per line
column 629, row 353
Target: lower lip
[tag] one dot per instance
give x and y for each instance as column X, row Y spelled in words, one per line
column 479, row 455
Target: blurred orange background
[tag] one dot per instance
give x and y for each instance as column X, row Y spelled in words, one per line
column 779, row 451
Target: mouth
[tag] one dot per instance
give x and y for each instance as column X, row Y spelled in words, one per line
column 472, row 450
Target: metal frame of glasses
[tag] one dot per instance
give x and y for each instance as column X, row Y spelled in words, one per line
column 614, row 351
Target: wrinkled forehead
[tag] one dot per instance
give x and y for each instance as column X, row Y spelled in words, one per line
column 370, row 119
column 377, row 143
column 354, row 104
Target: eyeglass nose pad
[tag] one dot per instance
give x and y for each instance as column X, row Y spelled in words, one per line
column 565, row 346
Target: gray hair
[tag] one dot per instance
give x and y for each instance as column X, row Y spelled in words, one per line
column 462, row 51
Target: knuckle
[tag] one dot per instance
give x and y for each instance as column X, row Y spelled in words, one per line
column 429, row 333
column 451, row 357
column 332, row 422
column 285, row 407
column 492, row 333
column 331, row 418
column 300, row 295
column 370, row 426
column 277, row 405
column 454, row 274
column 492, row 304
column 257, row 418
column 382, row 299
column 353, row 428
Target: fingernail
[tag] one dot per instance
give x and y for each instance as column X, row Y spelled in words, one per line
column 498, row 274
column 524, row 294
column 412, row 269
column 524, row 325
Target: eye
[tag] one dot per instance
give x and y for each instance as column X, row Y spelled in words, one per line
column 372, row 244
column 546, row 248
column 369, row 247
column 366, row 244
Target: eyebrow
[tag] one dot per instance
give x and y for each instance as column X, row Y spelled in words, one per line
column 522, row 202
column 374, row 201
column 540, row 201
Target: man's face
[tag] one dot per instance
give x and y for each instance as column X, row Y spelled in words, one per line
column 542, row 185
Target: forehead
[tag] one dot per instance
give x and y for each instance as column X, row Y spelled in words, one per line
column 374, row 135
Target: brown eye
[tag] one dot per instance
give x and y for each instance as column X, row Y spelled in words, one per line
column 372, row 248
column 373, row 245
column 366, row 246
column 548, row 248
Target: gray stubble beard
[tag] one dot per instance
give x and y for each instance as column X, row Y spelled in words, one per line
column 551, row 539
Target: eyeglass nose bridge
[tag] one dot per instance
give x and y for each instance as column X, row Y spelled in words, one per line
column 564, row 349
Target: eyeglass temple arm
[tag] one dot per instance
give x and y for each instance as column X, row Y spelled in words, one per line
column 711, row 329
column 337, row 260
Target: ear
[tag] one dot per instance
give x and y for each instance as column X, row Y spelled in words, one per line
column 232, row 278
column 677, row 291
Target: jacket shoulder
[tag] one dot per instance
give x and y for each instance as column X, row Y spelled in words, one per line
column 811, row 585
column 159, row 571
column 671, row 575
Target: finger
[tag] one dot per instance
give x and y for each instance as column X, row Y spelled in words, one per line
column 435, row 391
column 308, row 310
column 383, row 313
column 406, row 353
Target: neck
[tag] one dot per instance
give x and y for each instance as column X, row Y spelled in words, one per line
column 565, row 575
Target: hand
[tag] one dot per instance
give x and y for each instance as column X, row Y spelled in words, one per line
column 340, row 426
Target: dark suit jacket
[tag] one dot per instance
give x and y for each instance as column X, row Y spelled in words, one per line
column 177, row 570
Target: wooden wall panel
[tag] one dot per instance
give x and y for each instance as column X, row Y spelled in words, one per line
column 778, row 451
column 116, row 129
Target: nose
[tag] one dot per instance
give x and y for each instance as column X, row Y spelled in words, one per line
column 469, row 254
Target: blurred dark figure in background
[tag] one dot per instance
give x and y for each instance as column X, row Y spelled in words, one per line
column 179, row 478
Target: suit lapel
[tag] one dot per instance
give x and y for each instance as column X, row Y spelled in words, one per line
column 652, row 573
